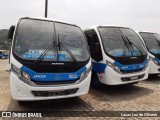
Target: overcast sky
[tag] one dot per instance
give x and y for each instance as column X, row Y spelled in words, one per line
column 140, row 15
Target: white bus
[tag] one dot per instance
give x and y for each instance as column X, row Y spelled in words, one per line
column 152, row 43
column 118, row 55
column 49, row 59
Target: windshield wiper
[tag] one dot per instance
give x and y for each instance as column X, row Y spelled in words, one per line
column 50, row 47
column 126, row 44
column 131, row 43
column 62, row 46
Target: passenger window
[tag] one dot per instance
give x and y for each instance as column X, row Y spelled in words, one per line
column 94, row 45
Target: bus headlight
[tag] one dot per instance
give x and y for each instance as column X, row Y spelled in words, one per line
column 15, row 69
column 152, row 59
column 25, row 75
column 89, row 69
column 155, row 62
column 117, row 69
column 114, row 67
column 110, row 64
column 85, row 73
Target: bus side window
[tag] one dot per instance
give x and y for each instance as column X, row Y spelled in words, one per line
column 94, row 45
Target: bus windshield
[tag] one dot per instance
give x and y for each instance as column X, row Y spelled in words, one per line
column 34, row 36
column 121, row 42
column 152, row 42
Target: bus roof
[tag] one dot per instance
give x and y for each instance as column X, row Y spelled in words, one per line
column 47, row 19
column 146, row 32
column 96, row 26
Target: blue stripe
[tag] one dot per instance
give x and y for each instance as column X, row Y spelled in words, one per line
column 127, row 54
column 99, row 67
column 131, row 67
column 158, row 60
column 53, row 76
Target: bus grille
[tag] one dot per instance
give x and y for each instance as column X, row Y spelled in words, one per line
column 129, row 60
column 54, row 93
column 127, row 79
column 55, row 82
column 132, row 71
column 54, row 69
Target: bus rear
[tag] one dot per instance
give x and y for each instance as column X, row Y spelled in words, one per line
column 118, row 55
column 49, row 60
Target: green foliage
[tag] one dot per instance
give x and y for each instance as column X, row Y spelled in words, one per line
column 4, row 45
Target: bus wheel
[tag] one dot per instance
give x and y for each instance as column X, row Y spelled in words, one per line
column 95, row 80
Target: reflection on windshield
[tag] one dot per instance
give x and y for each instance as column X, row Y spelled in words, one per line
column 74, row 41
column 120, row 42
column 33, row 37
column 152, row 42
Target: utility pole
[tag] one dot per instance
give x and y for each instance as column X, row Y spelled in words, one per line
column 46, row 8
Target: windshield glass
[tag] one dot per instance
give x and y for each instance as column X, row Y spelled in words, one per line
column 120, row 42
column 33, row 37
column 157, row 36
column 73, row 39
column 151, row 40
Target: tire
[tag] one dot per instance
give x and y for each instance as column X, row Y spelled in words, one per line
column 95, row 80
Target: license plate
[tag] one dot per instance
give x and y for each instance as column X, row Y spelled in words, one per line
column 134, row 78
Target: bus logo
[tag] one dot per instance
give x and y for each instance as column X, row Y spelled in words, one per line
column 39, row 76
column 124, row 67
column 73, row 76
column 57, row 77
column 133, row 57
column 57, row 63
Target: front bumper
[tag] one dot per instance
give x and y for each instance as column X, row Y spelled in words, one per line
column 23, row 92
column 110, row 77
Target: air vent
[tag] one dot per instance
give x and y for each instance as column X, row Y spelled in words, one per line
column 54, row 93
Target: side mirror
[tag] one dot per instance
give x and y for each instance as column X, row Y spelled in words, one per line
column 10, row 33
